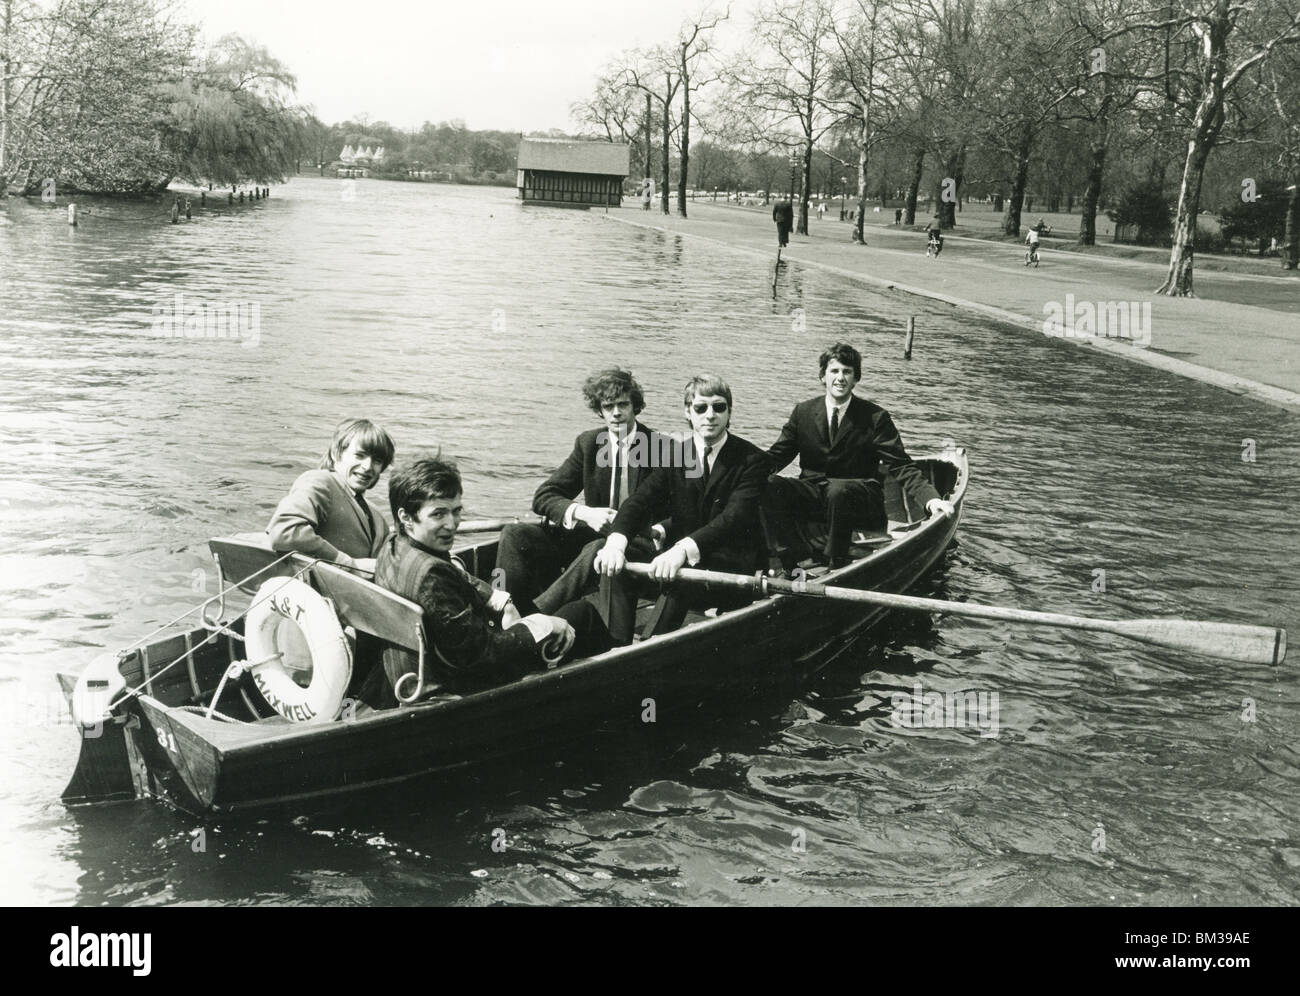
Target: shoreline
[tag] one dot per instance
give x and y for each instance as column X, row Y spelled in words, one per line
column 1234, row 382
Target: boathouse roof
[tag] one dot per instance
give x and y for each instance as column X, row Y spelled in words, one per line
column 562, row 156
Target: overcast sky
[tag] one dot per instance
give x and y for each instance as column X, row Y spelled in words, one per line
column 504, row 64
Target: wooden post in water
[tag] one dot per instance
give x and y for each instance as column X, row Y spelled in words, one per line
column 911, row 331
column 241, row 197
column 203, row 198
column 72, row 215
column 176, row 210
column 188, row 213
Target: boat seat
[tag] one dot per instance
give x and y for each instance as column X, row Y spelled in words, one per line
column 245, row 559
column 369, row 608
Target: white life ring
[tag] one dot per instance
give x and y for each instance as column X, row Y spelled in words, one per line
column 290, row 621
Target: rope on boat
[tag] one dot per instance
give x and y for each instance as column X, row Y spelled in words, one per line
column 213, row 714
column 236, row 669
column 216, row 628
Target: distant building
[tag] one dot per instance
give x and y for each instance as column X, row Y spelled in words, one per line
column 561, row 173
column 350, row 155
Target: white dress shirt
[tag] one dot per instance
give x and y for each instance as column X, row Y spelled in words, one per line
column 618, row 464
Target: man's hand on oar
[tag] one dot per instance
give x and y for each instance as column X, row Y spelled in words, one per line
column 1228, row 641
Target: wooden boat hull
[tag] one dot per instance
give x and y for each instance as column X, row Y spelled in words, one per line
column 207, row 767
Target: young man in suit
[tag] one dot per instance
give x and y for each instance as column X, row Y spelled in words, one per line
column 841, row 441
column 476, row 637
column 712, row 495
column 547, row 566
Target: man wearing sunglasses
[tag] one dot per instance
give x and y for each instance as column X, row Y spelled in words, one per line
column 712, row 495
column 841, row 442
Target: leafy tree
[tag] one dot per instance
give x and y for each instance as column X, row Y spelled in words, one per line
column 1143, row 206
column 1260, row 219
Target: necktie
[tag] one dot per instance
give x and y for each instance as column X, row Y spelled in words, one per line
column 370, row 519
column 614, row 470
column 704, row 478
column 835, row 423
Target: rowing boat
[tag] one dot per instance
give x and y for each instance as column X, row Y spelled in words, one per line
column 171, row 720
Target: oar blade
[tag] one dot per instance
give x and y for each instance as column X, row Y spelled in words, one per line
column 1229, row 641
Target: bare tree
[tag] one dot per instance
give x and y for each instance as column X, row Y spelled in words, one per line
column 644, row 74
column 940, row 56
column 1232, row 38
column 863, row 63
column 693, row 50
column 786, row 81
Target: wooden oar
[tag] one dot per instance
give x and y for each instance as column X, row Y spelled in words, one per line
column 494, row 525
column 1229, row 641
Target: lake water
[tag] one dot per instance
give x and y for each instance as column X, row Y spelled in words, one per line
column 461, row 321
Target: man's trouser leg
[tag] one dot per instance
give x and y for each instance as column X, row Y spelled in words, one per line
column 618, row 595
column 592, row 637
column 851, row 503
column 787, row 501
column 532, row 556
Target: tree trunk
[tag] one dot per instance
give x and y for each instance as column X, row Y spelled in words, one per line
column 1092, row 195
column 864, row 148
column 805, row 188
column 686, row 139
column 6, row 39
column 1292, row 236
column 1208, row 121
column 663, row 196
column 909, row 210
column 648, row 118
column 954, row 165
column 1011, row 220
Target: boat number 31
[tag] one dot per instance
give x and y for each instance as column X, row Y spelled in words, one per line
column 167, row 740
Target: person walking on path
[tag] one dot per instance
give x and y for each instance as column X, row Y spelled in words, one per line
column 898, row 216
column 783, row 215
column 647, row 193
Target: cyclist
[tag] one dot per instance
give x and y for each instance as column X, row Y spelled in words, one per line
column 932, row 234
column 1031, row 240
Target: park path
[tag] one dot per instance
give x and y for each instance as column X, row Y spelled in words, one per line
column 1243, row 335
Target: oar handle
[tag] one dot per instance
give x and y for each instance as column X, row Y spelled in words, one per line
column 496, row 525
column 758, row 583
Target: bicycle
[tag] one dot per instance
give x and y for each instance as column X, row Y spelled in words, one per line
column 933, row 246
column 1031, row 256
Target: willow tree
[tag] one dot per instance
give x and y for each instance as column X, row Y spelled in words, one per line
column 234, row 120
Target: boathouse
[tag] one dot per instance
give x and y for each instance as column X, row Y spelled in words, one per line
column 561, row 173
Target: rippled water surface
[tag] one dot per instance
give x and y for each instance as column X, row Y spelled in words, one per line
column 462, row 321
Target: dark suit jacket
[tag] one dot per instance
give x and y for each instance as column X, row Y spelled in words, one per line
column 722, row 518
column 866, row 439
column 581, row 474
column 783, row 213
